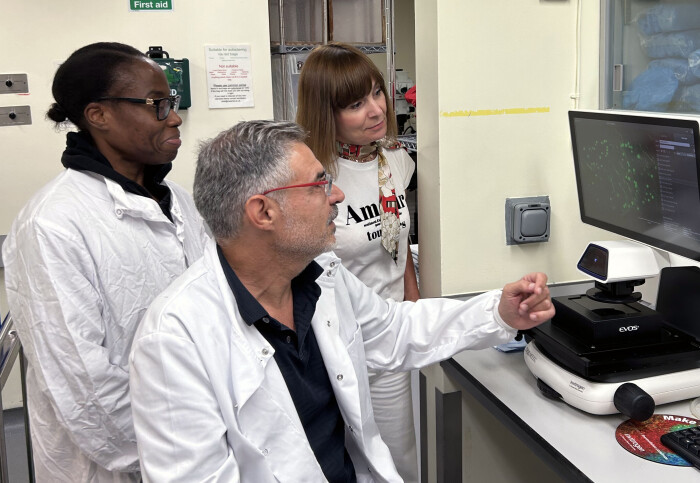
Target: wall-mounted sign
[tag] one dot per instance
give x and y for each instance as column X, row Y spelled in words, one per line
column 140, row 5
column 229, row 76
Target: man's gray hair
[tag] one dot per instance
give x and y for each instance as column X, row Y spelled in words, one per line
column 245, row 160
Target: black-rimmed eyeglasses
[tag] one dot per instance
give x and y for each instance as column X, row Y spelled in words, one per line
column 163, row 105
column 327, row 180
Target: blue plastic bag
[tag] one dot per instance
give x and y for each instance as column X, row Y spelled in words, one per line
column 669, row 18
column 688, row 99
column 676, row 44
column 680, row 67
column 651, row 90
column 694, row 64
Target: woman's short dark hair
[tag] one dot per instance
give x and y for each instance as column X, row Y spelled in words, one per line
column 88, row 74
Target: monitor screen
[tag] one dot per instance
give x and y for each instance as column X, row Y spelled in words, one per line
column 637, row 176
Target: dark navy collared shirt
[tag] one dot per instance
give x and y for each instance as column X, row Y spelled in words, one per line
column 299, row 358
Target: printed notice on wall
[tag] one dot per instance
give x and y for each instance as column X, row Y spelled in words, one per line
column 229, row 77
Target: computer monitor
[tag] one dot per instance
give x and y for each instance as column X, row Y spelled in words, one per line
column 637, row 176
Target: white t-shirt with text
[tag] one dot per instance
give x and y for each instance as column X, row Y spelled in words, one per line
column 358, row 226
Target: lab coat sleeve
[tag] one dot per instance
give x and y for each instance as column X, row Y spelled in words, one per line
column 180, row 430
column 400, row 336
column 53, row 294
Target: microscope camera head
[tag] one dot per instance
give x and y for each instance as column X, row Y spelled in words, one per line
column 620, row 261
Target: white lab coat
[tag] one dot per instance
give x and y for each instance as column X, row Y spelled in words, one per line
column 83, row 261
column 210, row 403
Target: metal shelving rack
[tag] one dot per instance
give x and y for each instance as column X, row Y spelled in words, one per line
column 285, row 46
column 280, row 48
column 409, row 142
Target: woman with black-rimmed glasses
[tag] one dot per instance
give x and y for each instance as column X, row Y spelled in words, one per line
column 89, row 252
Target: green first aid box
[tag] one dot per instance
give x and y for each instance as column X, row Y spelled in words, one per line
column 178, row 73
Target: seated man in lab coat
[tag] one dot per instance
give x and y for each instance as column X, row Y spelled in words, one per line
column 252, row 366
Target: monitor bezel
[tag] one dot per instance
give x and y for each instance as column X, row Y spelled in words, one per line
column 639, row 118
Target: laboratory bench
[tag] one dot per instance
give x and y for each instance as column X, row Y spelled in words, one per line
column 488, row 421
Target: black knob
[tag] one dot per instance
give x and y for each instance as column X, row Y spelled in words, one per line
column 633, row 402
column 13, row 116
column 8, row 83
column 547, row 390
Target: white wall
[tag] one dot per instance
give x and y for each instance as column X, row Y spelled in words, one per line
column 41, row 34
column 489, row 56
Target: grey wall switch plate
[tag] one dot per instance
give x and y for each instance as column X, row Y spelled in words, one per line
column 15, row 115
column 527, row 220
column 14, row 84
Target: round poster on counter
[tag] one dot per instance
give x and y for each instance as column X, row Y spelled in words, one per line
column 643, row 439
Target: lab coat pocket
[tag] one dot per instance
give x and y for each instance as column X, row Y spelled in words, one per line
column 270, row 422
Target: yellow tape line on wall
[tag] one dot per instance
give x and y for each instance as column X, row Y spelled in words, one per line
column 495, row 112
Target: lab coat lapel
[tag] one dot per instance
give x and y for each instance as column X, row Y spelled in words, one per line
column 247, row 357
column 337, row 359
column 251, row 356
column 262, row 404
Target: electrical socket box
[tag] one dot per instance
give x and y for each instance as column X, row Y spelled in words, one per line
column 15, row 115
column 527, row 220
column 13, row 84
